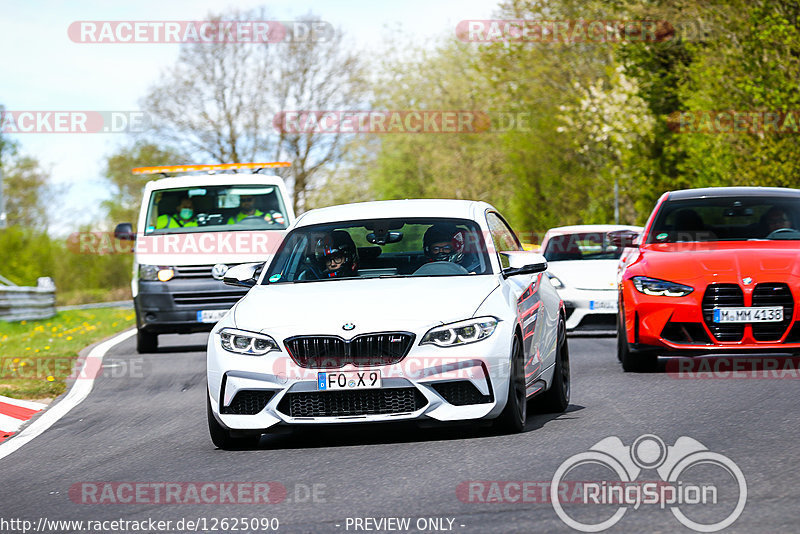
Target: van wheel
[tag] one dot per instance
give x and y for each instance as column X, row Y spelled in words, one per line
column 146, row 342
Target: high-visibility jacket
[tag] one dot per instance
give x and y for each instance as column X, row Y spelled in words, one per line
column 240, row 216
column 173, row 221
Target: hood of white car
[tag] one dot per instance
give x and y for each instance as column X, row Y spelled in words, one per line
column 586, row 274
column 372, row 305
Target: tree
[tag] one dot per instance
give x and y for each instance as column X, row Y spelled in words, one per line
column 29, row 194
column 126, row 188
column 611, row 124
column 219, row 101
column 7, row 148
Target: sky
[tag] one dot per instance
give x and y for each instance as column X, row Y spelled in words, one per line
column 44, row 70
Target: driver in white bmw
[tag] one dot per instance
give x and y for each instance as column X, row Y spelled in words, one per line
column 446, row 242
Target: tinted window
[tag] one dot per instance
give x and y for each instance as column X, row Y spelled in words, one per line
column 582, row 246
column 726, row 219
column 380, row 248
column 216, row 208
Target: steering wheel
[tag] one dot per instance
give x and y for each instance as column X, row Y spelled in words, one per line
column 440, row 268
column 254, row 220
column 779, row 231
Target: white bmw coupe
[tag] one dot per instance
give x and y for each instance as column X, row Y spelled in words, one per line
column 424, row 310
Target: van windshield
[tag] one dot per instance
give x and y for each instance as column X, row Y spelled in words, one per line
column 216, row 208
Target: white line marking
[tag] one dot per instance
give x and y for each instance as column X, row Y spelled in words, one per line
column 24, row 403
column 79, row 391
column 10, row 424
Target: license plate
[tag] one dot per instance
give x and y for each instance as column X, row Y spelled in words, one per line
column 210, row 316
column 336, row 380
column 606, row 305
column 764, row 314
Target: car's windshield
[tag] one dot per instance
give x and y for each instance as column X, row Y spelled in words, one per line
column 582, row 246
column 380, row 248
column 216, row 208
column 726, row 219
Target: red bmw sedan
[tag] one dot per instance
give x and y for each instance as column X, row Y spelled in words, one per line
column 716, row 270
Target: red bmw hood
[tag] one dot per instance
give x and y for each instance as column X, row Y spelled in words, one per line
column 763, row 261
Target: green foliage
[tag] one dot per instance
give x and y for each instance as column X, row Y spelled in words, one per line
column 126, row 188
column 37, row 357
column 28, row 193
column 29, row 254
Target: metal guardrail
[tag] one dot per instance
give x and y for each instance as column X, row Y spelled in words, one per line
column 113, row 304
column 27, row 303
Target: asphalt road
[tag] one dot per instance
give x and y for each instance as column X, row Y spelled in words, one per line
column 147, row 424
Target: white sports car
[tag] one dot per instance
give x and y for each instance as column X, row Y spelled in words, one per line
column 388, row 311
column 582, row 263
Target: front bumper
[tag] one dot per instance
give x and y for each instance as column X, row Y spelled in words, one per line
column 677, row 324
column 590, row 310
column 430, row 383
column 173, row 306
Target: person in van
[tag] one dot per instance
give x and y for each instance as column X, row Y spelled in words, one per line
column 184, row 217
column 247, row 208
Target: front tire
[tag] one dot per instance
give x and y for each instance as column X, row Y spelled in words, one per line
column 146, row 342
column 633, row 361
column 515, row 414
column 556, row 399
column 221, row 436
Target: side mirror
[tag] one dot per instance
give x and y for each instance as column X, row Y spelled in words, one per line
column 124, row 232
column 523, row 263
column 623, row 238
column 244, row 275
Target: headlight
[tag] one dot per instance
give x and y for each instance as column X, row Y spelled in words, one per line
column 460, row 333
column 244, row 342
column 557, row 283
column 661, row 288
column 155, row 272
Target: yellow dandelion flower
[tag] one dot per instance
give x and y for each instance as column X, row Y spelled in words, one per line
column 23, row 364
column 23, row 322
column 15, row 360
column 51, row 378
column 47, row 347
column 69, row 338
column 27, row 348
column 37, row 350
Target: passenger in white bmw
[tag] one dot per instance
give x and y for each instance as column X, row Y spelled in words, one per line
column 385, row 350
column 336, row 255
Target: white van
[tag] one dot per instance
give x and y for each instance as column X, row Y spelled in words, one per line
column 192, row 228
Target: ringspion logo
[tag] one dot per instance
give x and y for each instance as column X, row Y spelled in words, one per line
column 691, row 476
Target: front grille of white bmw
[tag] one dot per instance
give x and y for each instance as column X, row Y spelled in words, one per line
column 334, row 352
column 352, row 403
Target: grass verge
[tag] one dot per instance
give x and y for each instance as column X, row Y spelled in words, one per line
column 36, row 357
